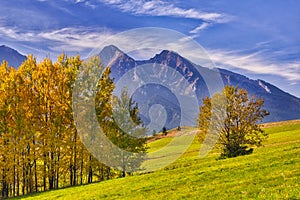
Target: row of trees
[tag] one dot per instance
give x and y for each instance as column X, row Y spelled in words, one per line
column 40, row 148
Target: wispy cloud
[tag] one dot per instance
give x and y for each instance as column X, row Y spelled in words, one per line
column 14, row 34
column 257, row 63
column 161, row 8
column 86, row 3
column 76, row 38
column 202, row 26
column 56, row 41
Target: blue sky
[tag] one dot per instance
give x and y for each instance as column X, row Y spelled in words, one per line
column 260, row 39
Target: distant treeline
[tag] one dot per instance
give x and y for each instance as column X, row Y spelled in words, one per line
column 40, row 148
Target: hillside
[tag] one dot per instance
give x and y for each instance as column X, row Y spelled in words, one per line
column 271, row 172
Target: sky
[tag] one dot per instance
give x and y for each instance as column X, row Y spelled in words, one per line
column 259, row 39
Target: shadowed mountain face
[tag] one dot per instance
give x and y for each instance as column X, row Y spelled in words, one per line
column 281, row 105
column 13, row 57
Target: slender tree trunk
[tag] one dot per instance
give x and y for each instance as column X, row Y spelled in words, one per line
column 71, row 173
column 18, row 181
column 44, row 173
column 123, row 166
column 75, row 159
column 35, row 177
column 51, row 175
column 44, row 147
column 4, row 191
column 90, row 177
column 30, row 177
column 57, row 171
column 29, row 171
column 81, row 172
column 14, row 176
column 34, row 167
column 23, row 180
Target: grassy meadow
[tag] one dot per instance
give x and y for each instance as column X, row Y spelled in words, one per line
column 271, row 172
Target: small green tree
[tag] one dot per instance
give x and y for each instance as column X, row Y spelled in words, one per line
column 239, row 128
column 164, row 131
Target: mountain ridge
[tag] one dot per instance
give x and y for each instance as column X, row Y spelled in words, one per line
column 282, row 105
column 12, row 56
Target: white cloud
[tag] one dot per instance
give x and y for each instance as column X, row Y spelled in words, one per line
column 70, row 37
column 256, row 63
column 161, row 8
column 76, row 37
column 76, row 40
column 200, row 27
column 13, row 34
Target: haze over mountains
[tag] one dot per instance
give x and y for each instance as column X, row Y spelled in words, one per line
column 281, row 105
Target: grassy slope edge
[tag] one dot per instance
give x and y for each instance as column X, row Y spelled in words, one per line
column 271, row 172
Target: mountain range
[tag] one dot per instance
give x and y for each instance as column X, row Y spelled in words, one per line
column 281, row 105
column 188, row 79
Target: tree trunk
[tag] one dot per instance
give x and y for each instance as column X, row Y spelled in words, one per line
column 51, row 170
column 24, row 182
column 18, row 182
column 14, row 178
column 44, row 173
column 123, row 166
column 71, row 174
column 81, row 167
column 75, row 159
column 90, row 176
column 35, row 177
column 57, row 171
column 4, row 191
column 34, row 167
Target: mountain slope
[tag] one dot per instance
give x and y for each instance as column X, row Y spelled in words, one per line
column 13, row 57
column 281, row 105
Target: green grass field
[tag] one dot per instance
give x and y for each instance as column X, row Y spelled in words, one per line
column 271, row 172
